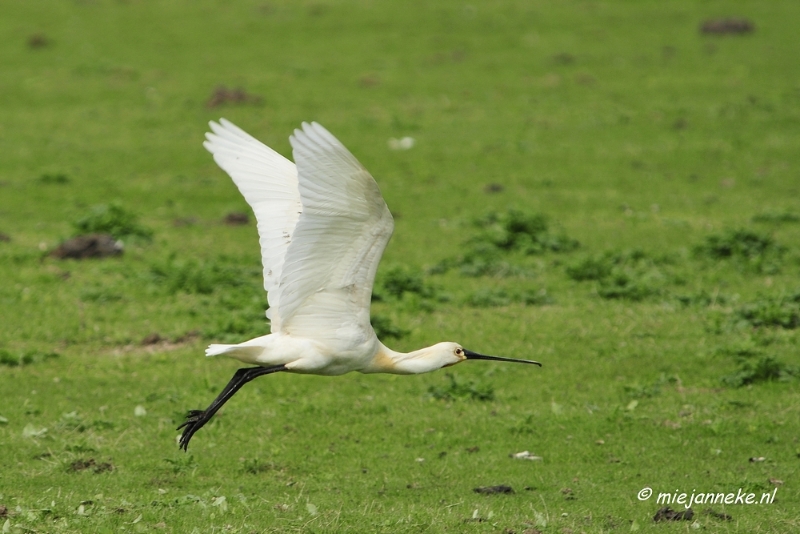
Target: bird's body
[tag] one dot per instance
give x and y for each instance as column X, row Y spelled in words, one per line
column 323, row 226
column 306, row 356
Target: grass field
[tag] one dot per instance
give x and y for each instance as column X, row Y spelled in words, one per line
column 669, row 335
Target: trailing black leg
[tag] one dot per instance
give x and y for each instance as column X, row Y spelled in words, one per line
column 197, row 418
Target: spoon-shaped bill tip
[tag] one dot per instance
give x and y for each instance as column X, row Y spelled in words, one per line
column 475, row 356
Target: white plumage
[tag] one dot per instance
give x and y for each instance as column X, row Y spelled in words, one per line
column 322, row 226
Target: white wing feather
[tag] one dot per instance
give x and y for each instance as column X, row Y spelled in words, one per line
column 327, row 276
column 268, row 182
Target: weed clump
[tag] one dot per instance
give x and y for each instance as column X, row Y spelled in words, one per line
column 764, row 368
column 639, row 391
column 384, row 328
column 629, row 275
column 490, row 298
column 458, row 389
column 255, row 466
column 235, row 326
column 702, row 298
column 198, row 277
column 182, row 464
column 776, row 217
column 408, row 289
column 753, row 250
column 481, row 259
column 111, row 219
column 18, row 359
column 501, row 234
column 782, row 311
column 515, row 230
column 398, row 281
column 54, row 178
column 627, row 286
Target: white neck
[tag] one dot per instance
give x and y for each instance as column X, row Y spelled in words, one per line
column 402, row 363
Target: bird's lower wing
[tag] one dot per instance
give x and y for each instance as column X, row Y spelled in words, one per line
column 327, row 277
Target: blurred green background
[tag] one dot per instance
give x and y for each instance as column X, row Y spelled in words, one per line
column 632, row 130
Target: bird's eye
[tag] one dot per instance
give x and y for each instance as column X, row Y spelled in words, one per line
column 459, row 352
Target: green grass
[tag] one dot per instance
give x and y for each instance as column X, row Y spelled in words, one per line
column 669, row 337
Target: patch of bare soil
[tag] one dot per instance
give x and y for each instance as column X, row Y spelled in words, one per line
column 236, row 218
column 223, row 95
column 492, row 490
column 88, row 246
column 90, row 464
column 38, row 40
column 668, row 514
column 727, row 26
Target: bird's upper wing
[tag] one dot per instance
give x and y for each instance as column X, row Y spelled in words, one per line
column 326, row 282
column 268, row 182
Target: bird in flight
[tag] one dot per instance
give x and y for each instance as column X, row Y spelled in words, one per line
column 322, row 226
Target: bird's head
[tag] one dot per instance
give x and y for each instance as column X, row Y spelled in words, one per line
column 449, row 353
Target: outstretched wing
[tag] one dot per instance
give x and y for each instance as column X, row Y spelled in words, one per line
column 268, row 182
column 326, row 282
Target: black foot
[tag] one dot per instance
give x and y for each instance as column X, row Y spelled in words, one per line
column 194, row 422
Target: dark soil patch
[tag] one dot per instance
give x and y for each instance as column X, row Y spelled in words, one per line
column 718, row 515
column 492, row 490
column 727, row 26
column 88, row 246
column 668, row 514
column 188, row 336
column 236, row 218
column 90, row 464
column 152, row 339
column 5, row 238
column 493, row 188
column 222, row 95
column 38, row 40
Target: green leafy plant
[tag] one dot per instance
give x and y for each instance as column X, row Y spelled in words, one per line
column 500, row 234
column 53, row 178
column 628, row 274
column 776, row 217
column 199, row 277
column 18, row 359
column 750, row 249
column 385, row 328
column 782, row 311
column 112, row 219
column 517, row 230
column 764, row 368
column 458, row 389
column 400, row 280
column 493, row 297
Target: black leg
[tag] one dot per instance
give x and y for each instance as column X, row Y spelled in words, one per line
column 197, row 418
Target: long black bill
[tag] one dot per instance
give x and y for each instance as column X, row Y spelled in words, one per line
column 475, row 356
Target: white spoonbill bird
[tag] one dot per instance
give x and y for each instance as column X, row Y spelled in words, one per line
column 322, row 225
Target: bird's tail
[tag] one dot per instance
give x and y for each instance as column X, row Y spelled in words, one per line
column 242, row 352
column 217, row 350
